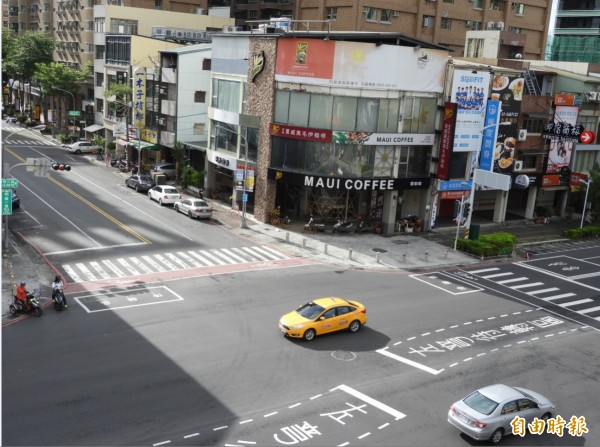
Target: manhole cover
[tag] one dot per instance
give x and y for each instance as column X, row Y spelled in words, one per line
column 379, row 250
column 400, row 242
column 343, row 355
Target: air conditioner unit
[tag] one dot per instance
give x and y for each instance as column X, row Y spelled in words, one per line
column 396, row 13
column 518, row 165
column 162, row 121
column 522, row 135
column 490, row 25
column 468, row 23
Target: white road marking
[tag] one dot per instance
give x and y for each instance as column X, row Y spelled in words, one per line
column 246, row 421
column 112, row 267
column 536, row 292
column 475, row 272
column 219, row 255
column 213, row 258
column 165, row 261
column 222, row 427
column 531, row 284
column 266, row 253
column 191, row 436
column 364, row 435
column 233, row 255
column 247, row 442
column 383, row 426
column 162, row 443
column 295, row 405
column 100, row 270
column 384, row 351
column 128, row 267
column 155, row 265
column 497, row 275
column 555, row 297
column 90, row 276
column 201, row 258
column 189, row 259
column 177, row 261
column 139, row 264
column 270, row 414
column 507, row 281
column 277, row 254
column 573, row 303
column 316, row 397
column 74, row 276
column 383, row 407
column 253, row 253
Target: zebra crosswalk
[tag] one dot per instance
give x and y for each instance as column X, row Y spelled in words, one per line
column 588, row 306
column 21, row 142
column 169, row 261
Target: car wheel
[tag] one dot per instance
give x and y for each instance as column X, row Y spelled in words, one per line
column 149, row 195
column 78, row 151
column 190, row 215
column 137, row 188
column 160, row 202
column 38, row 312
column 497, row 436
column 309, row 335
column 176, row 208
column 546, row 416
column 354, row 326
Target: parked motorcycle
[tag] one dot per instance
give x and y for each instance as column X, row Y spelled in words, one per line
column 16, row 307
column 344, row 226
column 315, row 224
column 59, row 300
column 364, row 226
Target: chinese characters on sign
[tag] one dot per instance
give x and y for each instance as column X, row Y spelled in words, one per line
column 575, row 427
column 139, row 98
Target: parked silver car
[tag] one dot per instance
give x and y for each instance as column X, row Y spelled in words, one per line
column 80, row 147
column 167, row 169
column 140, row 182
column 194, row 208
column 486, row 414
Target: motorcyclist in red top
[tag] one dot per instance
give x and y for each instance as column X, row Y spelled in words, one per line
column 22, row 295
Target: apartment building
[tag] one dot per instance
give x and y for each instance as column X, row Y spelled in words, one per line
column 443, row 22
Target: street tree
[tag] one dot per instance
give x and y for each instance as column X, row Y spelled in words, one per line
column 24, row 54
column 58, row 80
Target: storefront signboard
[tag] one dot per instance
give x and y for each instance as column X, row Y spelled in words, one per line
column 492, row 114
column 455, row 185
column 524, row 181
column 300, row 133
column 563, row 133
column 551, row 180
column 509, row 90
column 139, row 98
column 456, row 195
column 383, row 139
column 224, row 161
column 574, row 178
column 448, row 123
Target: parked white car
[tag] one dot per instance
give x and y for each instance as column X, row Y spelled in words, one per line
column 79, row 147
column 164, row 194
column 194, row 208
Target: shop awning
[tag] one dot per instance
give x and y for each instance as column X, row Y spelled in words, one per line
column 141, row 144
column 93, row 128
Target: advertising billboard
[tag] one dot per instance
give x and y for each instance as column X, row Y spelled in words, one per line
column 559, row 155
column 448, row 123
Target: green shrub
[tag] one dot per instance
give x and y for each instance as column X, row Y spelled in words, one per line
column 63, row 138
column 578, row 233
column 543, row 211
column 494, row 244
column 191, row 177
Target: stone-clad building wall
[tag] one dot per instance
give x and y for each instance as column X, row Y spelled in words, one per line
column 260, row 102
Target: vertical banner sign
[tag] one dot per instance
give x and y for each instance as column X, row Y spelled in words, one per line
column 139, row 98
column 446, row 140
column 490, row 132
column 509, row 90
column 239, row 179
column 561, row 143
column 470, row 92
column 250, row 180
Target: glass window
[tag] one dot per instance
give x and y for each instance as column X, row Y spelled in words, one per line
column 477, row 4
column 446, row 23
column 458, row 167
column 224, row 136
column 123, row 26
column 226, row 95
column 519, row 9
column 371, row 14
column 480, row 403
column 299, row 107
column 368, row 112
column 331, row 14
column 344, row 113
column 321, row 108
column 386, row 15
column 282, row 106
column 388, row 115
column 497, row 5
column 99, row 79
column 99, row 105
column 420, row 118
column 533, row 125
column 99, row 26
column 510, row 407
column 252, row 141
column 200, row 96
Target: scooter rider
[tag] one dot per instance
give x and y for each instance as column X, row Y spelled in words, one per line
column 22, row 295
column 57, row 286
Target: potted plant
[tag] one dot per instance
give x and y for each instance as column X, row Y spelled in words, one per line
column 275, row 214
column 542, row 213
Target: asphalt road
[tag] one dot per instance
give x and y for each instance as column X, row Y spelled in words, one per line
column 158, row 358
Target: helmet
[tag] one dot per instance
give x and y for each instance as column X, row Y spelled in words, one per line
column 23, row 283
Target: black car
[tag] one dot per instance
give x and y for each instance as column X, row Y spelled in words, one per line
column 140, row 182
column 16, row 202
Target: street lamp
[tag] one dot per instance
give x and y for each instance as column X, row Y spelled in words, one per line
column 587, row 189
column 72, row 96
column 245, row 142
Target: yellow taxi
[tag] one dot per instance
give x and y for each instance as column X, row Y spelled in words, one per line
column 323, row 315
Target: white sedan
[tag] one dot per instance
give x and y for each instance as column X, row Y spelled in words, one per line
column 80, row 147
column 194, row 208
column 164, row 194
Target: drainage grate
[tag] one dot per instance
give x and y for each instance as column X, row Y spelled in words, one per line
column 346, row 356
column 379, row 250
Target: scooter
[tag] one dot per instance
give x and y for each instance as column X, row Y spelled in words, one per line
column 59, row 300
column 314, row 225
column 343, row 226
column 16, row 307
column 364, row 226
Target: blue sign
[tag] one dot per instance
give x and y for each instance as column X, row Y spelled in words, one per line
column 456, row 185
column 244, row 197
column 490, row 129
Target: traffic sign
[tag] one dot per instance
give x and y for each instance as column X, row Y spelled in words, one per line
column 244, row 197
column 6, row 202
column 587, row 137
column 10, row 183
column 74, row 113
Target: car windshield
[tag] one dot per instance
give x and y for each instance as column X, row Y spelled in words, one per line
column 199, row 203
column 170, row 191
column 310, row 310
column 145, row 178
column 480, row 403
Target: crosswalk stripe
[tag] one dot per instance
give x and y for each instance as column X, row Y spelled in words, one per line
column 113, row 267
column 74, row 276
column 506, row 281
column 90, row 276
column 573, row 303
column 210, row 256
column 176, row 260
column 266, row 253
column 556, row 297
column 587, row 311
column 475, row 272
column 100, row 270
column 243, row 254
column 128, row 267
column 537, row 292
column 141, row 265
column 253, row 253
column 497, row 275
column 165, row 262
column 201, row 258
column 274, row 252
column 218, row 254
column 233, row 255
column 522, row 286
column 189, row 259
column 157, row 267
